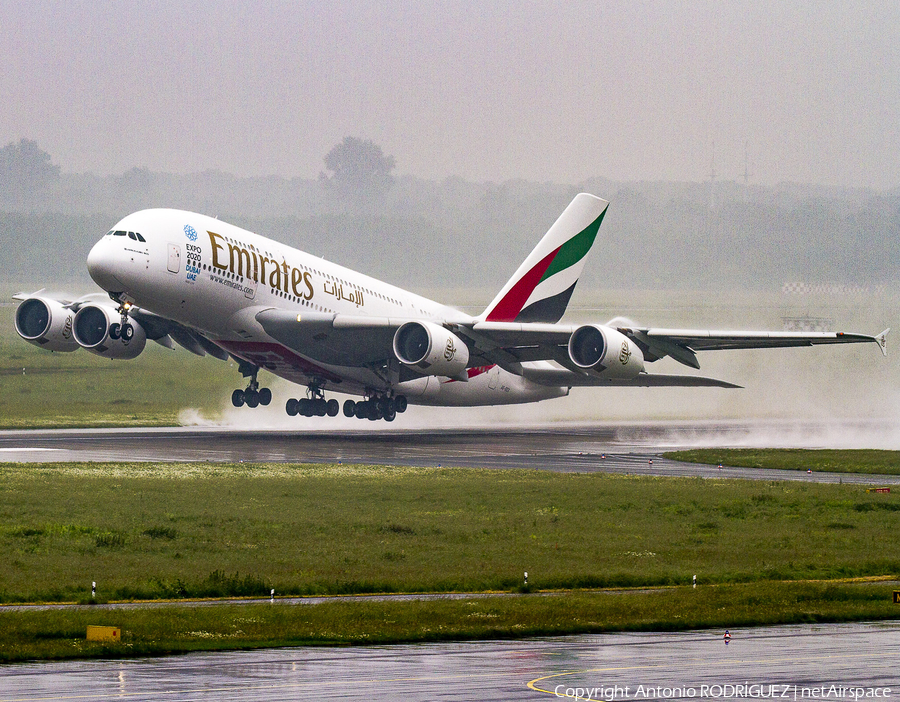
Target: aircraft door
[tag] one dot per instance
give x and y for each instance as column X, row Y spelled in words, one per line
column 174, row 262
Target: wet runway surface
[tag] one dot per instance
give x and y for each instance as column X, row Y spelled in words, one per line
column 633, row 448
column 808, row 662
column 795, row 663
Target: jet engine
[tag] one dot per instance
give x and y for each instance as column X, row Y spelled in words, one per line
column 46, row 323
column 431, row 350
column 98, row 328
column 605, row 351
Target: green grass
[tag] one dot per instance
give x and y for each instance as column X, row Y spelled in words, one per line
column 817, row 460
column 61, row 633
column 187, row 530
column 43, row 389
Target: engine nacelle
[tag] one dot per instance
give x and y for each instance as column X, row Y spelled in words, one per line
column 606, row 351
column 98, row 329
column 44, row 322
column 430, row 349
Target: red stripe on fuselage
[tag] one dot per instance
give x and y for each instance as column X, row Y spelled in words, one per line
column 274, row 357
column 473, row 372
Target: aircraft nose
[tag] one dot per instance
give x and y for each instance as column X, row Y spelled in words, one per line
column 102, row 264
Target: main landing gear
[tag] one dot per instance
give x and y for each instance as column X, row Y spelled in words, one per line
column 313, row 406
column 375, row 408
column 253, row 396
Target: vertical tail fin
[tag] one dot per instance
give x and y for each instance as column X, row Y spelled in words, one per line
column 540, row 290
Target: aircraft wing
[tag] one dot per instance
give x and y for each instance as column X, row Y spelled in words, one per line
column 349, row 340
column 681, row 344
column 510, row 343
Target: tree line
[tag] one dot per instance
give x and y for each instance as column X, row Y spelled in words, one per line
column 453, row 232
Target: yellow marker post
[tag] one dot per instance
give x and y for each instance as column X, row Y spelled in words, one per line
column 104, row 633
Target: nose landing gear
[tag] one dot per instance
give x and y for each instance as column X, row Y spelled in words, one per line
column 122, row 329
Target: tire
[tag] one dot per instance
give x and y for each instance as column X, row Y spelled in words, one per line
column 400, row 403
column 362, row 410
column 349, row 408
column 390, row 415
column 291, row 407
column 332, row 407
column 320, row 408
column 115, row 331
column 127, row 332
column 251, row 397
column 265, row 396
column 303, row 407
column 237, row 398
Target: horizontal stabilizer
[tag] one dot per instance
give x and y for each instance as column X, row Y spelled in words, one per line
column 560, row 377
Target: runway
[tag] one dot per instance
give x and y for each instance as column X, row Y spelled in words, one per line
column 633, row 448
column 795, row 662
column 805, row 662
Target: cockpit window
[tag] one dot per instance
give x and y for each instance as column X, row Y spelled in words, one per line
column 120, row 233
column 139, row 237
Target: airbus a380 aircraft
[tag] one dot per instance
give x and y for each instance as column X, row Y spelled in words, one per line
column 179, row 277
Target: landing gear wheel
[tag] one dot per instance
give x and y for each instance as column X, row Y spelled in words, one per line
column 265, row 396
column 237, row 397
column 400, row 403
column 291, row 407
column 390, row 415
column 251, row 397
column 349, row 408
column 332, row 407
column 127, row 332
column 303, row 407
column 115, row 331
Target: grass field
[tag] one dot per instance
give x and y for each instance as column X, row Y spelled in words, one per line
column 61, row 633
column 817, row 460
column 79, row 389
column 177, row 530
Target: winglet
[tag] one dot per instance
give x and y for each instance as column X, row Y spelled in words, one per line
column 882, row 341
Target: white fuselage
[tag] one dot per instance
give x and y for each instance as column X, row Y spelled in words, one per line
column 215, row 277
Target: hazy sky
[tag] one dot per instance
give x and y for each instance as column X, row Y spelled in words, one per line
column 547, row 91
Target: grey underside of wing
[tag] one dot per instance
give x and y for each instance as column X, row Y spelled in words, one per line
column 561, row 377
column 329, row 339
column 157, row 328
